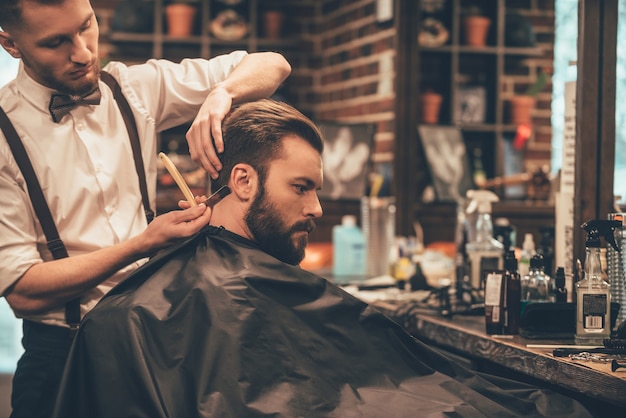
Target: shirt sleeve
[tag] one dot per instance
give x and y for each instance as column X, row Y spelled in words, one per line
column 171, row 93
column 18, row 236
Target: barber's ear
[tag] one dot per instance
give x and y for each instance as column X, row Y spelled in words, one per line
column 9, row 45
column 244, row 181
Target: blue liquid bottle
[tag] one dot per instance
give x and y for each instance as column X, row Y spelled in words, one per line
column 348, row 249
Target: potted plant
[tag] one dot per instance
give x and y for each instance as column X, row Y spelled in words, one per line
column 431, row 104
column 180, row 16
column 522, row 105
column 273, row 19
column 475, row 26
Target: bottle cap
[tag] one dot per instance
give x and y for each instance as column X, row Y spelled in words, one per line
column 481, row 200
column 529, row 242
column 510, row 262
column 559, row 277
column 536, row 261
column 348, row 220
column 597, row 228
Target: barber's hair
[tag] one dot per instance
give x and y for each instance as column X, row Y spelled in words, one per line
column 253, row 134
column 11, row 11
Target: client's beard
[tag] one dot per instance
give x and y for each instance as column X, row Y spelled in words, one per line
column 272, row 235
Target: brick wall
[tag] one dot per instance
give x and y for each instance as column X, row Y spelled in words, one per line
column 344, row 67
column 355, row 80
column 522, row 73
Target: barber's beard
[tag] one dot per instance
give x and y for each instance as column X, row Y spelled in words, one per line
column 77, row 88
column 272, row 234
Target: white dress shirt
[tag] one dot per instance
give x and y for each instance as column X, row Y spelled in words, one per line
column 85, row 163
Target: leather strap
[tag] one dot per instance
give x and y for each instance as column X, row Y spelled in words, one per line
column 131, row 127
column 54, row 242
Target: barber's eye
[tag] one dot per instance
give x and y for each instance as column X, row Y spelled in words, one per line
column 54, row 43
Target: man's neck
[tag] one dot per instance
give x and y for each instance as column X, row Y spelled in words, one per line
column 232, row 218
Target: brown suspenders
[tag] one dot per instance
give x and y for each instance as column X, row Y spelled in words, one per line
column 54, row 242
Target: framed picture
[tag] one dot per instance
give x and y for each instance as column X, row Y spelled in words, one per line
column 346, row 159
column 448, row 163
column 471, row 105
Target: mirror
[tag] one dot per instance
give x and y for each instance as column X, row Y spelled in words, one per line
column 600, row 127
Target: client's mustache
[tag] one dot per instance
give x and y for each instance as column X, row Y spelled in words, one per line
column 308, row 226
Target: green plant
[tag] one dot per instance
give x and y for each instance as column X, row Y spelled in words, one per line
column 538, row 85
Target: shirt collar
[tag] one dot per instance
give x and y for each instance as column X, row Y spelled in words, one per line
column 36, row 94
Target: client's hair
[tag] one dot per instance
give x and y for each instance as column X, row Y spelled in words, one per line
column 253, row 134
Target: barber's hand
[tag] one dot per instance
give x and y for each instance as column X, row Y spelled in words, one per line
column 205, row 135
column 173, row 226
column 183, row 204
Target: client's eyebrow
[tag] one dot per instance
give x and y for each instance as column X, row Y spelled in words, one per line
column 309, row 183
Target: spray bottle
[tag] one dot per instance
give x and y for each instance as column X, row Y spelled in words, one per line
column 484, row 252
column 593, row 298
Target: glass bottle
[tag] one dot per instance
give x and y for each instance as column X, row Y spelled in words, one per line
column 512, row 294
column 593, row 300
column 536, row 284
column 528, row 250
column 560, row 291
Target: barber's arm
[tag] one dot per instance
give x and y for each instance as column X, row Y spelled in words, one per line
column 257, row 76
column 51, row 284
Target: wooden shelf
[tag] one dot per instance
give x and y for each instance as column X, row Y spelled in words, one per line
column 438, row 219
column 454, row 68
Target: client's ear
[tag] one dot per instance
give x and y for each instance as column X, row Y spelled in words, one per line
column 244, row 181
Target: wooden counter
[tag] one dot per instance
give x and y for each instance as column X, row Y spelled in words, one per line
column 593, row 383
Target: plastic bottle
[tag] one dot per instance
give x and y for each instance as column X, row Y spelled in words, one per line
column 484, row 252
column 528, row 251
column 512, row 294
column 536, row 283
column 348, row 249
column 593, row 297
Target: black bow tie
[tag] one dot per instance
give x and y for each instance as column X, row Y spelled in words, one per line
column 62, row 104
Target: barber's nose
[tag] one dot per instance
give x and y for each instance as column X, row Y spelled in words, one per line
column 81, row 53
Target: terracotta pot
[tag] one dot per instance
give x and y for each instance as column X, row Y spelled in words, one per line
column 431, row 103
column 476, row 29
column 273, row 23
column 521, row 109
column 180, row 19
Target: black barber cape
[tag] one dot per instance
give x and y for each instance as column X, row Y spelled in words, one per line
column 215, row 327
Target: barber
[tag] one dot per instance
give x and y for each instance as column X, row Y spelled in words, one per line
column 83, row 162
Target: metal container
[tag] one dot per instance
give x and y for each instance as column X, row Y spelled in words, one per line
column 616, row 272
column 378, row 219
